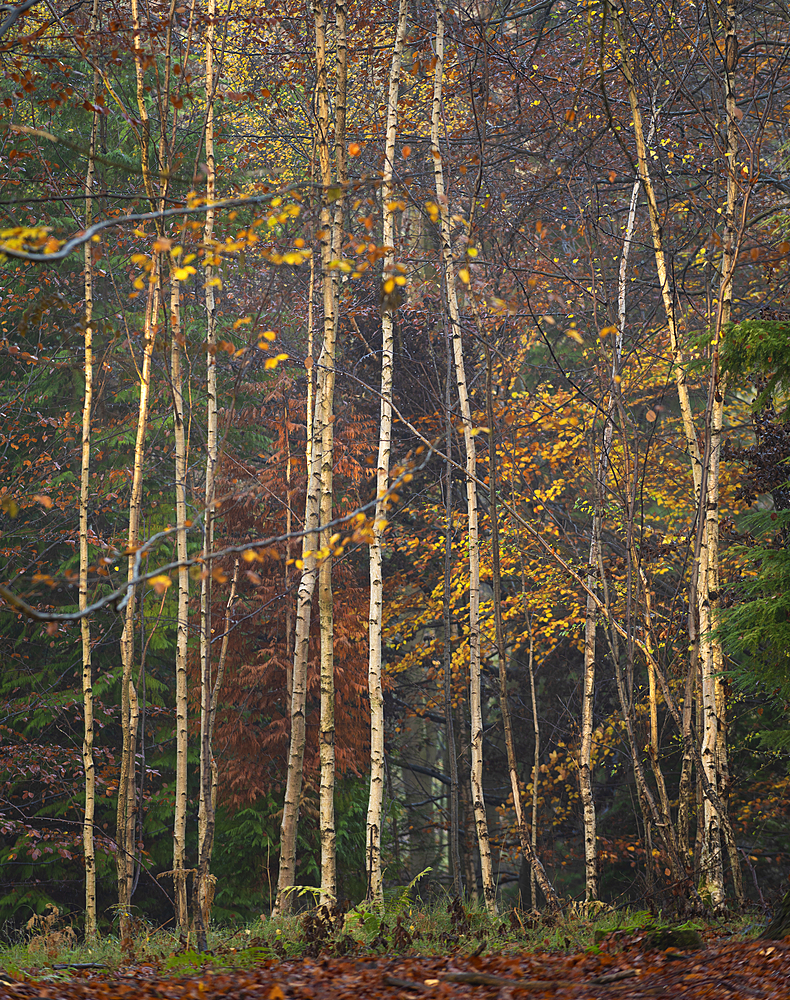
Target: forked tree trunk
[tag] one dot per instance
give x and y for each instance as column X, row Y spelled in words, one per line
column 88, row 841
column 376, row 797
column 448, row 268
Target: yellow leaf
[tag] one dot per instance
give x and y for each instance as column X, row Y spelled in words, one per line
column 182, row 273
column 463, row 274
column 161, row 583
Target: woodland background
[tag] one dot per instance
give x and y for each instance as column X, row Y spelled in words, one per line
column 566, row 237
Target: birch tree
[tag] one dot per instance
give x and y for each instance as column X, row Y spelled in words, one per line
column 182, row 613
column 704, row 465
column 331, row 233
column 208, row 767
column 88, row 840
column 714, row 747
column 390, row 277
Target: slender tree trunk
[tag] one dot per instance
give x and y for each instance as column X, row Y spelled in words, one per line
column 304, row 606
column 684, row 783
column 205, row 805
column 286, row 568
column 85, row 628
column 535, row 767
column 127, row 795
column 454, row 832
column 331, row 229
column 714, row 745
column 601, row 472
column 475, row 706
column 587, row 721
column 182, row 613
column 376, row 797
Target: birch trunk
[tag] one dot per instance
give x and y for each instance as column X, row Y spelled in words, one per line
column 127, row 797
column 376, row 797
column 475, row 706
column 304, row 607
column 454, row 832
column 533, row 839
column 714, row 747
column 206, row 797
column 85, row 628
column 331, row 228
column 182, row 613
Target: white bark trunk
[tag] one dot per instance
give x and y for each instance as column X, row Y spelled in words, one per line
column 714, row 746
column 87, row 670
column 331, row 228
column 182, row 614
column 376, row 797
column 206, row 797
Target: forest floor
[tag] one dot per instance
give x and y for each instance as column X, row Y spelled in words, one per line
column 622, row 965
